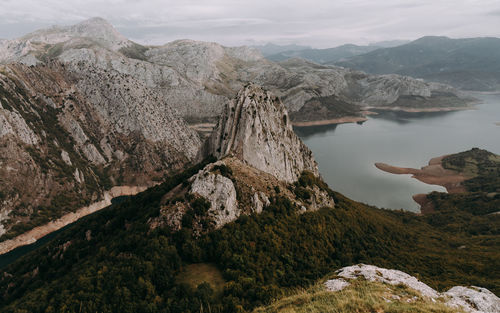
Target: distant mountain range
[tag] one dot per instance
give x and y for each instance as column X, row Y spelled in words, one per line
column 468, row 64
column 271, row 49
column 323, row 56
column 84, row 109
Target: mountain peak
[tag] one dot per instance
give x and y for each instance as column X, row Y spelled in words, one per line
column 95, row 21
column 255, row 127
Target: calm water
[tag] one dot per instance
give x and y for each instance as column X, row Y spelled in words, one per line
column 346, row 153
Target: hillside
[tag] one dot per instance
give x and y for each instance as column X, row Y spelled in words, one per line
column 76, row 137
column 253, row 234
column 367, row 288
column 469, row 64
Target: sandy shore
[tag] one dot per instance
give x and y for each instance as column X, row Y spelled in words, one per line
column 340, row 120
column 41, row 231
column 433, row 174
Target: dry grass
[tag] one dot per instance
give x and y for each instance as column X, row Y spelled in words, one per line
column 360, row 296
column 195, row 274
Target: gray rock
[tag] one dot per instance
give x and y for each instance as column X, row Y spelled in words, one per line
column 220, row 191
column 471, row 299
column 255, row 128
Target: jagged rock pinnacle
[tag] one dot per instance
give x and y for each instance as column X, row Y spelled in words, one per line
column 255, row 128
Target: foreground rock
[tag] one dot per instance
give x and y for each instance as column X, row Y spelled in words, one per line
column 472, row 299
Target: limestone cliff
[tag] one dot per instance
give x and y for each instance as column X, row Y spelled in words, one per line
column 67, row 134
column 255, row 128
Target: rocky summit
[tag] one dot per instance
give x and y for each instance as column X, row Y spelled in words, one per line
column 255, row 127
column 259, row 158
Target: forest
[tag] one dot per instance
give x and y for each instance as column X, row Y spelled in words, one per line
column 112, row 261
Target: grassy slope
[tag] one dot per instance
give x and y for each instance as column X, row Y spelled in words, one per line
column 360, row 296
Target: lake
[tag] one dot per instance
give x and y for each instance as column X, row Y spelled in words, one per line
column 346, row 153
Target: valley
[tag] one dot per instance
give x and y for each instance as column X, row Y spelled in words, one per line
column 196, row 177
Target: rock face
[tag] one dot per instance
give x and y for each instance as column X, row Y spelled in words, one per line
column 255, row 128
column 76, row 130
column 259, row 159
column 471, row 299
column 220, row 191
column 197, row 77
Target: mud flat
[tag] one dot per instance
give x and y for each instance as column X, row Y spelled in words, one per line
column 41, row 231
column 433, row 174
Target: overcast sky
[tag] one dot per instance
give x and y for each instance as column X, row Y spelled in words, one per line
column 318, row 23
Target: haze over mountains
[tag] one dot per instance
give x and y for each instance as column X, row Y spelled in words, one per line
column 469, row 64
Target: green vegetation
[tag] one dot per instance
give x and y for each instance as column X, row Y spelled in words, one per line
column 360, row 296
column 483, row 168
column 465, row 212
column 128, row 267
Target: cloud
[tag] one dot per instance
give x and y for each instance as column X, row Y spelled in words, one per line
column 319, row 23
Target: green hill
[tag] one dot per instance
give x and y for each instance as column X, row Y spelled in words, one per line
column 472, row 63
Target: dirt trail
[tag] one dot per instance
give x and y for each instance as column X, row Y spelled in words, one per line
column 41, row 231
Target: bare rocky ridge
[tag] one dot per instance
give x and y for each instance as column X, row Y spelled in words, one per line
column 197, row 77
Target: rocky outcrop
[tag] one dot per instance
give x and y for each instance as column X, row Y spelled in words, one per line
column 255, row 128
column 471, row 299
column 259, row 159
column 221, row 193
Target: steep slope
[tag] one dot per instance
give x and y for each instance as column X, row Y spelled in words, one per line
column 472, row 63
column 76, row 132
column 197, row 77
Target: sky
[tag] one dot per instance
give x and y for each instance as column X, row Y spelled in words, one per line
column 316, row 23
